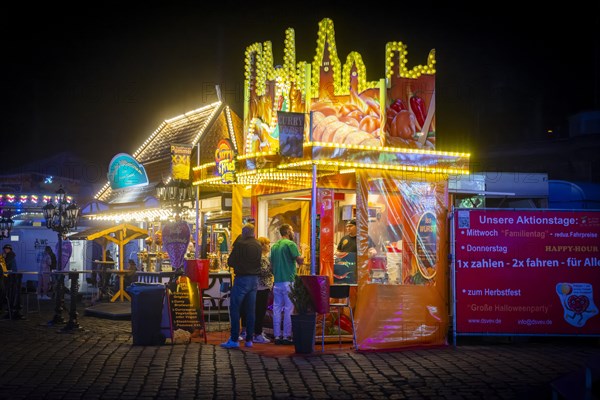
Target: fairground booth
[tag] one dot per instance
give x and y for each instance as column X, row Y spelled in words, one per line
column 322, row 146
column 150, row 189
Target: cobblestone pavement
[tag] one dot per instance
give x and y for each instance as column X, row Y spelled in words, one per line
column 101, row 363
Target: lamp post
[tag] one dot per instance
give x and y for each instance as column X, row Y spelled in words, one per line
column 174, row 195
column 6, row 224
column 61, row 217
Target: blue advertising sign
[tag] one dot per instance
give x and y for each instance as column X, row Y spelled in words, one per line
column 124, row 171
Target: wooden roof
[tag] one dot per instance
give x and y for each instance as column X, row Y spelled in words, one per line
column 206, row 125
column 119, row 234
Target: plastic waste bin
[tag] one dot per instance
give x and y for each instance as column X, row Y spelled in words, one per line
column 146, row 313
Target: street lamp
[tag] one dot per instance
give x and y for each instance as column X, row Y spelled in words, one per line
column 61, row 217
column 6, row 225
column 174, row 195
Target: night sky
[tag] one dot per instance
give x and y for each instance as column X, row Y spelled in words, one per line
column 98, row 81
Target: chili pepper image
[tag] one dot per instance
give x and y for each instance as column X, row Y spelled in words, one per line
column 398, row 105
column 418, row 108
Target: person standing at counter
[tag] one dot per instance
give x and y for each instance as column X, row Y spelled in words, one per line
column 47, row 264
column 284, row 256
column 265, row 285
column 347, row 243
column 245, row 260
column 347, row 252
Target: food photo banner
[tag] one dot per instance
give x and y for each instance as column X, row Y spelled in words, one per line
column 527, row 272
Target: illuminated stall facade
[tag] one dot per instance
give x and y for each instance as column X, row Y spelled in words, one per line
column 166, row 156
column 323, row 145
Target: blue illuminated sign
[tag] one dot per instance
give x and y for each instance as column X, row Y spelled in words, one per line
column 125, row 172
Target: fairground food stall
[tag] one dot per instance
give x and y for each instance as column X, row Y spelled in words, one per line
column 323, row 145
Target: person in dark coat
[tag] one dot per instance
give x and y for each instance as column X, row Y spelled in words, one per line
column 245, row 259
column 13, row 283
column 10, row 258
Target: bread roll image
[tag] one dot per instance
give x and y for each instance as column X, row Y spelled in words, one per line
column 330, row 130
column 369, row 124
column 349, row 121
column 356, row 137
column 320, row 127
column 317, row 116
column 342, row 133
column 347, row 109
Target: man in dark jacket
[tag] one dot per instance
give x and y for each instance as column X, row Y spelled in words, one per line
column 245, row 260
column 10, row 258
column 13, row 283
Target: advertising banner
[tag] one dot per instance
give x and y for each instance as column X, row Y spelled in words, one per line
column 225, row 160
column 528, row 272
column 291, row 133
column 180, row 161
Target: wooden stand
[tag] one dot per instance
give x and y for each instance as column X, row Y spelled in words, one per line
column 121, row 293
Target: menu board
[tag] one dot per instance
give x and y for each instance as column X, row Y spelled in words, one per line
column 530, row 272
column 426, row 245
column 183, row 305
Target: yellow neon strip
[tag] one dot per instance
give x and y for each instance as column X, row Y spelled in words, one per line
column 204, row 166
column 384, row 149
column 385, row 167
column 258, row 154
column 142, row 215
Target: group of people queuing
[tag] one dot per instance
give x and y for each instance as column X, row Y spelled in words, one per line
column 258, row 271
column 10, row 284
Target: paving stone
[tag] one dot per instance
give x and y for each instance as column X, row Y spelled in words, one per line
column 102, row 363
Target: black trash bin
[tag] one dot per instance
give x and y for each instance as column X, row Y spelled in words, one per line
column 146, row 313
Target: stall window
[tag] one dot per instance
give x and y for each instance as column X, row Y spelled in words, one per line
column 403, row 224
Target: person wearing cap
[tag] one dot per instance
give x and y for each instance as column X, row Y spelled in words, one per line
column 347, row 244
column 10, row 258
